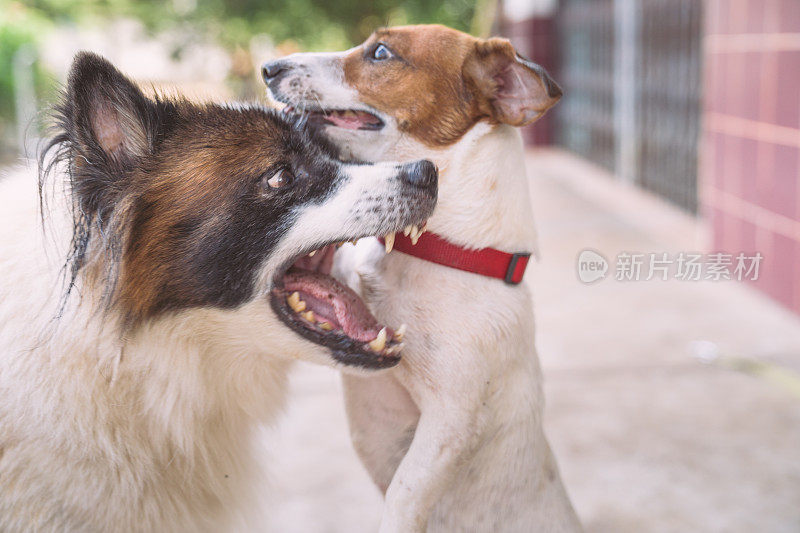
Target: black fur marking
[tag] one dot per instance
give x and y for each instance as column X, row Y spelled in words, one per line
column 177, row 220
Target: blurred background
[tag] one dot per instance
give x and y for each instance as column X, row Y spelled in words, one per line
column 673, row 403
column 211, row 48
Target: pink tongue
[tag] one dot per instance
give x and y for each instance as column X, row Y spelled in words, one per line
column 329, row 297
column 350, row 121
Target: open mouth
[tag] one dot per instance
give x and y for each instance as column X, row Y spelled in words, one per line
column 323, row 310
column 349, row 119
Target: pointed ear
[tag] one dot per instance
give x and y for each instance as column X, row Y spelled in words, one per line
column 508, row 87
column 112, row 122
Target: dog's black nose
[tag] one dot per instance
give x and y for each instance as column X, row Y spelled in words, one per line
column 270, row 70
column 422, row 174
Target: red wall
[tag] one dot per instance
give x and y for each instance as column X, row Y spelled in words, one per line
column 750, row 167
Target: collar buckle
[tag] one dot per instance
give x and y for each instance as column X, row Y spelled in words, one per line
column 512, row 267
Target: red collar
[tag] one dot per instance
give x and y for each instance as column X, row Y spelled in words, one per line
column 485, row 261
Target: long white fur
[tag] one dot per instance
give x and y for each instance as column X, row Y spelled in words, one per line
column 468, row 390
column 151, row 431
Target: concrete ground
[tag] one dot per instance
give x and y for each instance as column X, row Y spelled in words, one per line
column 671, row 406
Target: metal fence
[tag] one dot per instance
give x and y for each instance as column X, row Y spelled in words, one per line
column 632, row 78
column 585, row 116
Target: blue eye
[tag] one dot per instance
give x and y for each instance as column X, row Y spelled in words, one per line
column 381, row 52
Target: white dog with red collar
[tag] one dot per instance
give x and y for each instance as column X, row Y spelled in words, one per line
column 453, row 434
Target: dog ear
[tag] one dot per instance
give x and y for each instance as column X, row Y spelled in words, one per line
column 508, row 87
column 112, row 122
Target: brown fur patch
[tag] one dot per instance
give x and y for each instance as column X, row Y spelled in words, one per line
column 423, row 88
column 198, row 176
column 198, row 225
column 438, row 85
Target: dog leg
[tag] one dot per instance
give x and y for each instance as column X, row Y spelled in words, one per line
column 443, row 441
column 381, row 414
column 382, row 419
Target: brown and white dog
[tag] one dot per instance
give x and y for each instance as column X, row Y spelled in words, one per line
column 147, row 333
column 452, row 435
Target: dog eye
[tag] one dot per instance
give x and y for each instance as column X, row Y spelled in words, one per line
column 280, row 179
column 381, row 52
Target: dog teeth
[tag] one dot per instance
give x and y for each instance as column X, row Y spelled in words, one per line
column 312, row 253
column 308, row 315
column 327, row 326
column 391, row 350
column 379, row 343
column 398, row 335
column 389, row 242
column 416, row 232
column 294, row 301
column 407, row 230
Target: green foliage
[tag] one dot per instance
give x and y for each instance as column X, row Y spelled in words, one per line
column 296, row 24
column 313, row 24
column 18, row 27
